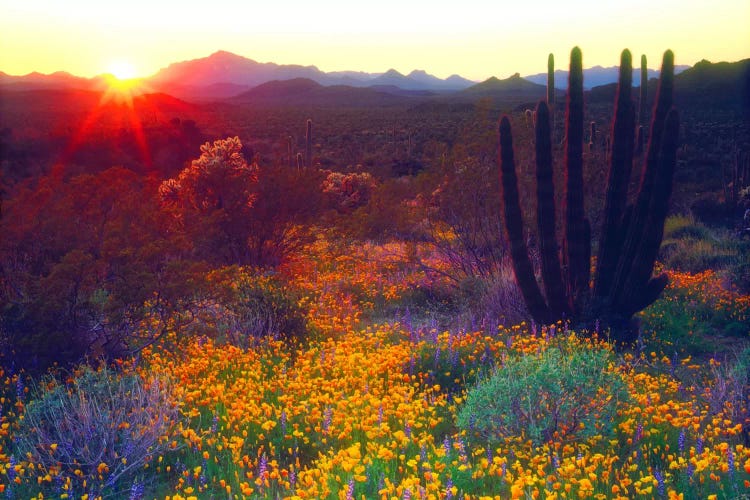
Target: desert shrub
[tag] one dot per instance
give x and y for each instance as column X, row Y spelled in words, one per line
column 738, row 271
column 569, row 390
column 691, row 246
column 101, row 428
column 729, row 389
column 252, row 305
column 492, row 300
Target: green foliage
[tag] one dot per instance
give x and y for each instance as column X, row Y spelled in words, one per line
column 693, row 247
column 567, row 390
column 106, row 425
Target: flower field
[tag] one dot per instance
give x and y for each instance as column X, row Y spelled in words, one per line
column 368, row 409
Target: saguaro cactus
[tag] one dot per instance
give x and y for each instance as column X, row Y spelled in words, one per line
column 551, row 80
column 630, row 235
column 642, row 103
column 308, row 144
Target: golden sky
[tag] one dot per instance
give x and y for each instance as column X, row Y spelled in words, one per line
column 474, row 38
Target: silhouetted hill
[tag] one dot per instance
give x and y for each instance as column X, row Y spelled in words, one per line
column 507, row 92
column 49, row 105
column 723, row 84
column 716, row 86
column 302, row 92
column 597, row 76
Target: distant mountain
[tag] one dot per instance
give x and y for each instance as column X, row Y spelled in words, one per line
column 187, row 79
column 303, row 92
column 597, row 76
column 39, row 81
column 393, row 77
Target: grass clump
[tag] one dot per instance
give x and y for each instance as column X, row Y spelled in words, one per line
column 567, row 391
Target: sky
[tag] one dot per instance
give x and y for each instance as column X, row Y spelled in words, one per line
column 474, row 38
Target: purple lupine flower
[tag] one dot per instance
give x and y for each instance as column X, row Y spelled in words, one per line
column 12, row 468
column 555, row 461
column 19, row 387
column 638, row 432
column 422, row 454
column 203, row 479
column 503, row 470
column 690, row 470
column 407, row 494
column 730, row 462
column 327, row 418
column 659, row 481
column 447, row 446
column 282, row 417
column 215, row 424
column 262, row 466
column 681, row 441
column 449, row 489
column 489, row 453
column 380, row 416
column 136, row 491
column 407, row 430
column 292, row 479
column 350, row 490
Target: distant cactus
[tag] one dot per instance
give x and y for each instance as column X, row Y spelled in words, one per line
column 300, row 161
column 639, row 141
column 643, row 104
column 308, row 144
column 289, row 153
column 630, row 236
column 551, row 80
column 592, row 134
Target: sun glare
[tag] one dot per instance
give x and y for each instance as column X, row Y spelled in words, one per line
column 122, row 70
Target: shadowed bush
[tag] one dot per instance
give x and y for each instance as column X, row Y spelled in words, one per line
column 252, row 305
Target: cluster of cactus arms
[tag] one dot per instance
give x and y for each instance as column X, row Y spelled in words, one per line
column 630, row 235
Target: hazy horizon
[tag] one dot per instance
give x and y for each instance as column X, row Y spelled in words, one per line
column 437, row 37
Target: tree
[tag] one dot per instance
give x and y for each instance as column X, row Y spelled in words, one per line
column 89, row 268
column 212, row 202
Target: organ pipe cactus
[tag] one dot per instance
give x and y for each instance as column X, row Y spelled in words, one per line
column 630, row 235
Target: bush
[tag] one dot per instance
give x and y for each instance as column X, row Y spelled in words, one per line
column 253, row 305
column 566, row 390
column 105, row 425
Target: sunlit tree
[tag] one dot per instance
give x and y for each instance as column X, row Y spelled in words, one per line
column 212, row 201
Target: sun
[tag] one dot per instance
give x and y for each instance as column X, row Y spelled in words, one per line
column 122, row 70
